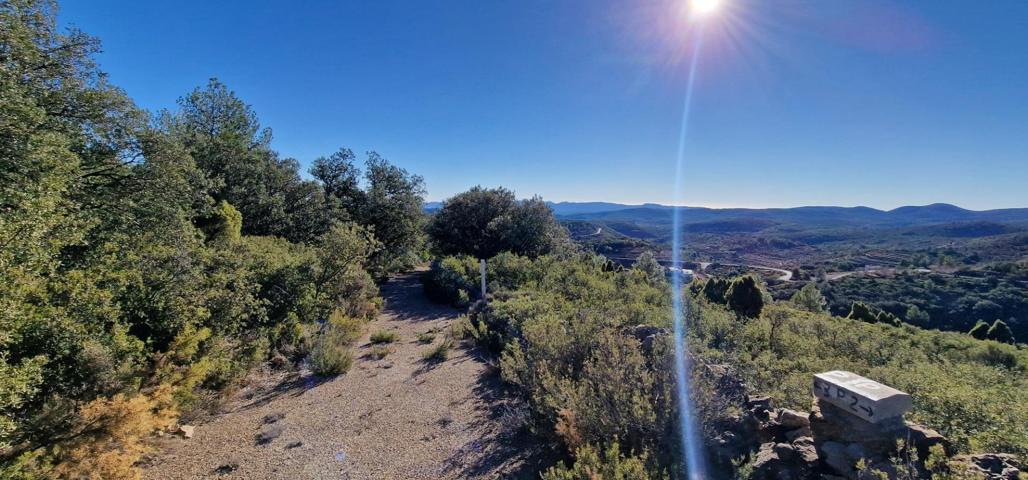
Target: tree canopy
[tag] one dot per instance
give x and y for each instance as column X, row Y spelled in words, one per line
column 484, row 222
column 145, row 261
column 745, row 297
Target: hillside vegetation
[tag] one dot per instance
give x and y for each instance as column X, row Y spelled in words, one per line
column 561, row 325
column 147, row 262
column 584, row 343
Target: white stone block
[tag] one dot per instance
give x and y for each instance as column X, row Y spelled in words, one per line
column 863, row 397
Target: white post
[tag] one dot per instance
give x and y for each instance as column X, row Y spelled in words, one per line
column 481, row 268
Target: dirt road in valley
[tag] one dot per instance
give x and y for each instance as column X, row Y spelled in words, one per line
column 395, row 418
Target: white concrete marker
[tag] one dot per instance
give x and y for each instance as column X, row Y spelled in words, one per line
column 861, row 396
column 481, row 268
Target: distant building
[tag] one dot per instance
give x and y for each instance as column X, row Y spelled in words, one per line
column 686, row 273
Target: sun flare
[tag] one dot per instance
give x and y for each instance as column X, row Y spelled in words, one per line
column 704, row 7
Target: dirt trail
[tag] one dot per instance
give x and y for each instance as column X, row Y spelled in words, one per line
column 394, row 418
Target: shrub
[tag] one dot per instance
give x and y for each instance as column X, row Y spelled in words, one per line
column 809, row 298
column 438, row 353
column 384, row 336
column 1000, row 332
column 980, row 330
column 611, row 464
column 714, row 290
column 348, row 329
column 863, row 312
column 426, row 338
column 745, row 297
column 379, row 352
column 450, row 279
column 331, row 354
column 484, row 222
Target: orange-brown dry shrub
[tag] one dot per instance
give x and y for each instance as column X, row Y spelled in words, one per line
column 111, row 433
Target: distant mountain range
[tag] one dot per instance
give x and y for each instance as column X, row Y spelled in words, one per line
column 747, row 218
column 653, row 220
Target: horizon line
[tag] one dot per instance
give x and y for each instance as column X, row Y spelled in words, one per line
column 662, row 205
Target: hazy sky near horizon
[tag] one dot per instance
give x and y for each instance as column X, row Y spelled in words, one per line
column 848, row 102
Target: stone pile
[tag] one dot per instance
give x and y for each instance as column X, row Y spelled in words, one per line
column 829, row 442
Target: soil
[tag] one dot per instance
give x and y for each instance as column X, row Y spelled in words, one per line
column 398, row 417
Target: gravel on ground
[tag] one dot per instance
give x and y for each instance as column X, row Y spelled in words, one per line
column 398, row 417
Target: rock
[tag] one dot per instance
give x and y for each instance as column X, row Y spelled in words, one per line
column 273, row 417
column 991, row 466
column 806, row 451
column 792, row 419
column 828, row 423
column 187, row 431
column 226, row 468
column 924, row 438
column 758, row 403
column 792, row 435
column 782, row 461
column 842, row 458
column 269, row 433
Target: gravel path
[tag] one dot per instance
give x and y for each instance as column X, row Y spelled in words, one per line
column 394, row 418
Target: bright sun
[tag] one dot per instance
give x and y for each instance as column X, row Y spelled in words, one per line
column 704, row 7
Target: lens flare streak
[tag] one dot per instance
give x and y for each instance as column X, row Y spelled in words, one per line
column 691, row 443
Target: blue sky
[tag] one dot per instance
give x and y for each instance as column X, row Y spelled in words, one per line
column 843, row 102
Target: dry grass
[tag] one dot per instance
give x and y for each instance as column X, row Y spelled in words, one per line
column 379, row 352
column 439, row 352
column 384, row 336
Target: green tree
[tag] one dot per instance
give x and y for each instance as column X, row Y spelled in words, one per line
column 809, row 298
column 340, row 179
column 715, row 289
column 224, row 136
column 745, row 297
column 1000, row 332
column 980, row 330
column 393, row 210
column 918, row 317
column 483, row 222
column 391, row 205
column 652, row 271
column 863, row 312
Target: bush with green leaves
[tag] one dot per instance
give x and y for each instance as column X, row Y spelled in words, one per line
column 483, row 222
column 608, row 464
column 331, row 354
column 1000, row 332
column 451, row 280
column 147, row 265
column 564, row 333
column 809, row 298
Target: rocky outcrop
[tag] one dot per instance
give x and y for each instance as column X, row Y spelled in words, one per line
column 830, row 443
column 990, row 466
column 785, row 461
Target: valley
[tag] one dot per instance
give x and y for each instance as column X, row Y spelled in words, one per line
column 963, row 266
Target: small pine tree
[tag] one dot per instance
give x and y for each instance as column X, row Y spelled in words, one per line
column 648, row 265
column 980, row 330
column 809, row 298
column 1000, row 332
column 744, row 297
